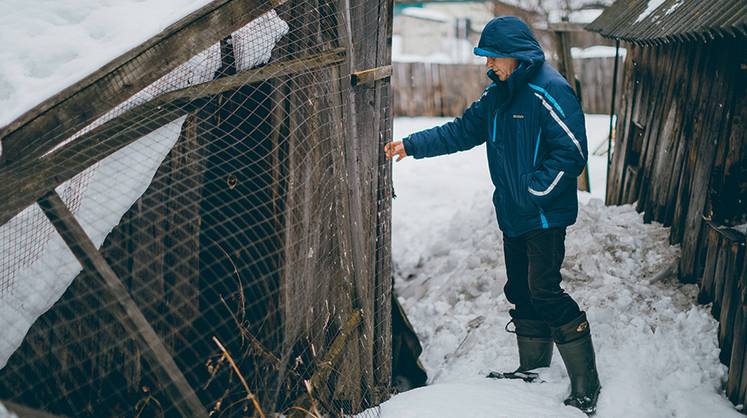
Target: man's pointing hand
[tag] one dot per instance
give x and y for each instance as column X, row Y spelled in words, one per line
column 395, row 148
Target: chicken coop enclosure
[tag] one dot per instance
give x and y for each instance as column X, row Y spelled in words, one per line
column 202, row 226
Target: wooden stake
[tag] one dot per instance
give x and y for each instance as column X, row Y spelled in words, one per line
column 125, row 310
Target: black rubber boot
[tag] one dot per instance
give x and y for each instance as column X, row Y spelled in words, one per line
column 535, row 349
column 535, row 344
column 576, row 349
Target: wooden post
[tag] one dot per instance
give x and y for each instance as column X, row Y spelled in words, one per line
column 125, row 309
column 565, row 66
column 369, row 77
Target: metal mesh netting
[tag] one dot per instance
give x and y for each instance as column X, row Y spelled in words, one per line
column 228, row 249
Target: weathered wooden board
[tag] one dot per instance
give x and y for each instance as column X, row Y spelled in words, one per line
column 737, row 373
column 729, row 299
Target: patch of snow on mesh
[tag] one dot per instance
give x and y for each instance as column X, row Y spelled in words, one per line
column 115, row 185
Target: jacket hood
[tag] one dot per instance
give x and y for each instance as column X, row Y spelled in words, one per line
column 509, row 37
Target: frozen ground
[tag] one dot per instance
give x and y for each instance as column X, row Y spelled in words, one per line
column 657, row 352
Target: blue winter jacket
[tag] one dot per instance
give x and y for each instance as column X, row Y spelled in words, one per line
column 534, row 128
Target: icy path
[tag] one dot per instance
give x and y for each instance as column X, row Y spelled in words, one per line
column 657, row 352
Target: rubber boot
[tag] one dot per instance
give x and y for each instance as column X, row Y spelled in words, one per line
column 535, row 344
column 576, row 349
column 535, row 349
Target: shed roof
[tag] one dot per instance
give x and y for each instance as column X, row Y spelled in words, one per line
column 662, row 21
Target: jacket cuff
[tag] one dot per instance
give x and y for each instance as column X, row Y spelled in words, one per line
column 409, row 147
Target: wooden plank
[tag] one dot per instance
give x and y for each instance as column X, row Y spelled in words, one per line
column 691, row 109
column 43, row 127
column 330, row 359
column 617, row 171
column 719, row 275
column 737, row 356
column 668, row 135
column 705, row 295
column 709, row 136
column 741, row 397
column 125, row 310
column 28, row 181
column 639, row 127
column 729, row 301
column 382, row 286
column 370, row 76
column 658, row 71
column 566, row 27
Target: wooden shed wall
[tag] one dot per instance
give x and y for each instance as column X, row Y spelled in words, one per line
column 679, row 138
column 680, row 153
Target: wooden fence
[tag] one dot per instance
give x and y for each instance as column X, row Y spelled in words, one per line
column 681, row 154
column 432, row 89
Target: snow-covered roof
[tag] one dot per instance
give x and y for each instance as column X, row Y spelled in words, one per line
column 48, row 45
column 659, row 21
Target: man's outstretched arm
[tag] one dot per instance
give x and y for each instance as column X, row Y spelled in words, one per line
column 461, row 134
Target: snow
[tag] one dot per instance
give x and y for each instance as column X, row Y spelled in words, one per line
column 4, row 413
column 652, row 5
column 421, row 13
column 657, row 349
column 578, row 16
column 453, row 51
column 37, row 266
column 47, row 45
column 672, row 8
column 596, row 51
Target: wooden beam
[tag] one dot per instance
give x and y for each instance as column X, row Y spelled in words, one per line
column 125, row 310
column 566, row 27
column 327, row 363
column 43, row 127
column 25, row 182
column 26, row 412
column 369, row 77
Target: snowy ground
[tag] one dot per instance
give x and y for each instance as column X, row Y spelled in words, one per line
column 657, row 352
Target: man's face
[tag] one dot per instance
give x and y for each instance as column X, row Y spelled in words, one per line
column 502, row 67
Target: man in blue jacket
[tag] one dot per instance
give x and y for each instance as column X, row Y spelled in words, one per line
column 533, row 125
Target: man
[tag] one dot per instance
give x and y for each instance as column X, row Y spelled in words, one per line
column 536, row 145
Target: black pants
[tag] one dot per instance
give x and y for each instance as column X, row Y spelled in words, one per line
column 533, row 263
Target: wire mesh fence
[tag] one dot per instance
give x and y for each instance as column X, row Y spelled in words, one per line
column 213, row 242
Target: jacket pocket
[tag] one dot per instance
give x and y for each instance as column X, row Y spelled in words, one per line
column 525, row 197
